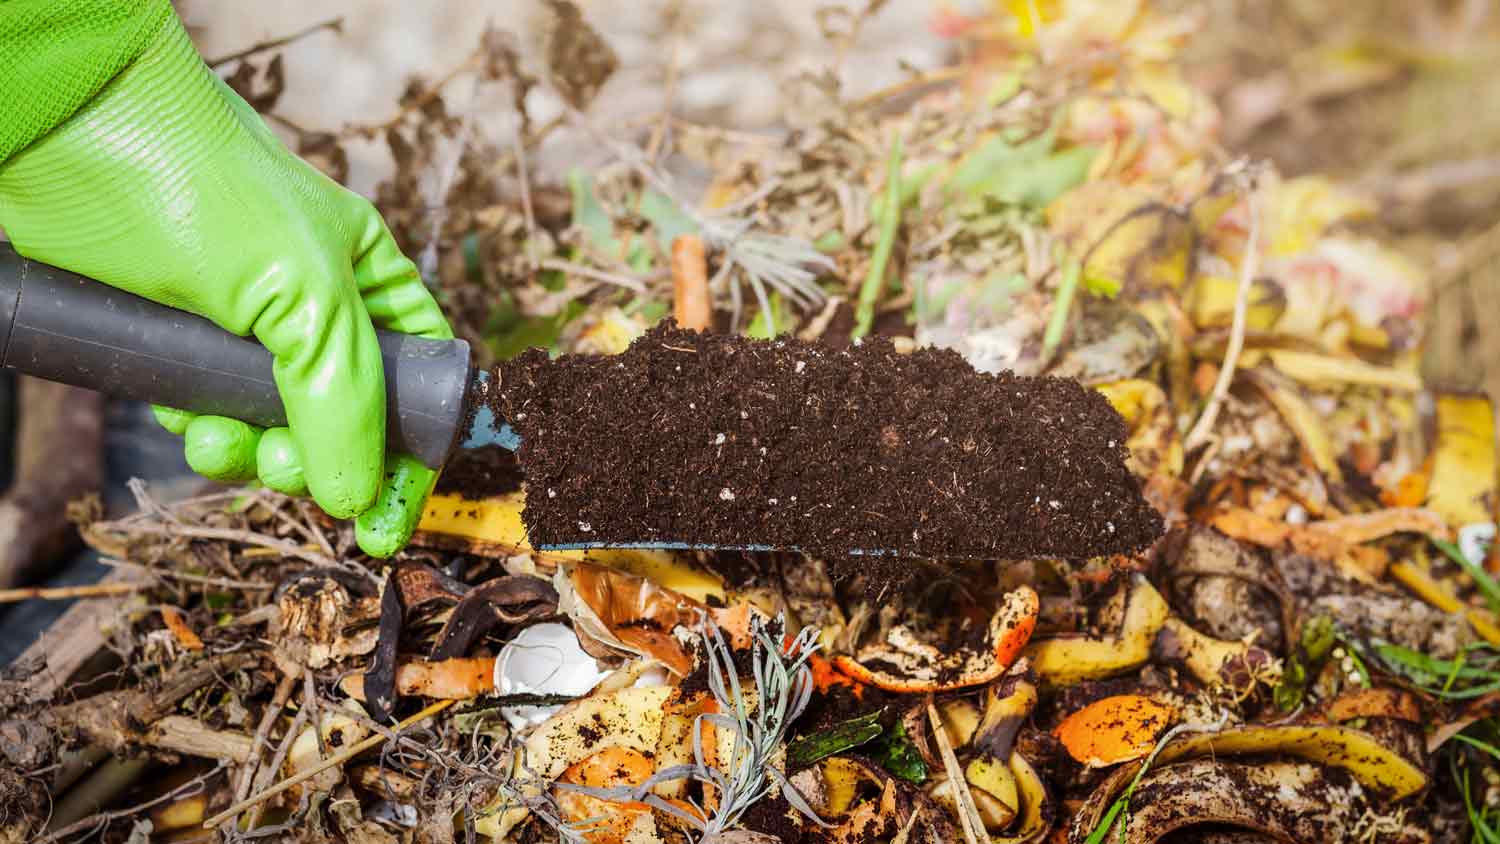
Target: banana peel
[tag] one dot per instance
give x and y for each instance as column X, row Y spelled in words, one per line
column 630, row 718
column 1066, row 660
column 1198, row 762
column 1037, row 810
column 1462, row 485
column 493, row 527
column 1212, row 662
column 1305, row 805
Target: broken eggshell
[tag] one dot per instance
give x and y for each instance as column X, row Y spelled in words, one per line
column 543, row 659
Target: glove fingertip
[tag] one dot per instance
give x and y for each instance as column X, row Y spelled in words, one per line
column 221, row 449
column 172, row 419
column 386, row 527
column 277, row 462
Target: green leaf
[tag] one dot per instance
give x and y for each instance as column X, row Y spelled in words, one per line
column 1004, row 152
column 1005, row 86
column 836, row 739
column 895, row 752
column 1039, row 183
column 664, row 215
column 1030, row 173
column 760, row 327
column 1063, row 303
column 1462, row 678
column 1313, row 647
column 639, row 256
column 830, row 241
column 889, row 218
column 650, row 310
column 473, row 268
column 1101, row 285
column 589, row 216
column 510, row 336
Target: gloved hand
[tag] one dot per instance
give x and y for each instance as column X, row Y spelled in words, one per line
column 168, row 185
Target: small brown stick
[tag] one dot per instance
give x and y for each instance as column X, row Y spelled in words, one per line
column 335, row 24
column 331, row 762
column 633, row 284
column 266, row 772
column 200, row 579
column 523, row 178
column 968, row 813
column 309, row 524
column 190, row 787
column 1249, row 266
column 262, row 732
column 287, row 549
column 690, row 303
column 62, row 593
column 673, row 13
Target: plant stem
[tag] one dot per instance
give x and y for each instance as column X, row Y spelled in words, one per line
column 890, row 221
column 1072, row 270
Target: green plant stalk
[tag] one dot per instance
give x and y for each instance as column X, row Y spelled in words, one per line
column 1482, row 579
column 1056, row 324
column 890, row 221
column 1482, row 830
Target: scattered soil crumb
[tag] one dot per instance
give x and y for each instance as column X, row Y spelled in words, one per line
column 719, row 439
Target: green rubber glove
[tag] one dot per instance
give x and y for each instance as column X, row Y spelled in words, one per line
column 168, row 185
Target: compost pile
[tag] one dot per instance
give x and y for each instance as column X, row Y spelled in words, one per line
column 1311, row 652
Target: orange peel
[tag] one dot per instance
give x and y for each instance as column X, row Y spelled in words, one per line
column 1114, row 729
column 924, row 669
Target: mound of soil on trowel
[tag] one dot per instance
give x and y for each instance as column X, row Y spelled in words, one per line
column 719, row 439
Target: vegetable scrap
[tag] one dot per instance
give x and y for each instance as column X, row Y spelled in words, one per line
column 987, row 302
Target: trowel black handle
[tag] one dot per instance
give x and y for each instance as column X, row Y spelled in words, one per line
column 63, row 327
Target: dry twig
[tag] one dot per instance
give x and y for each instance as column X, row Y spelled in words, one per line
column 1249, row 266
column 331, row 762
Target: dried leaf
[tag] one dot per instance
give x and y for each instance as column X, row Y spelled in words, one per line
column 579, row 60
column 513, row 599
column 180, row 629
column 380, row 678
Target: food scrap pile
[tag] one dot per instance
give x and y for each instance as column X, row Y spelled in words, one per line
column 1310, row 653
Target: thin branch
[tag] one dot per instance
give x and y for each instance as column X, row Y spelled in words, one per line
column 597, row 275
column 184, row 577
column 63, row 593
column 335, row 24
column 331, row 762
column 418, row 102
column 262, row 732
column 93, row 822
column 1249, row 266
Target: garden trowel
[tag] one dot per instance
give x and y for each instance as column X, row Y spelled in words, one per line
column 63, row 327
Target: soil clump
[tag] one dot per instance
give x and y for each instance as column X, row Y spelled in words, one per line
column 722, row 440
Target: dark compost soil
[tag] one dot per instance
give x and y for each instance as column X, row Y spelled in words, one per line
column 719, row 439
column 475, row 474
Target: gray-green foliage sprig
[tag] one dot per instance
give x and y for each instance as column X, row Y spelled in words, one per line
column 783, row 687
